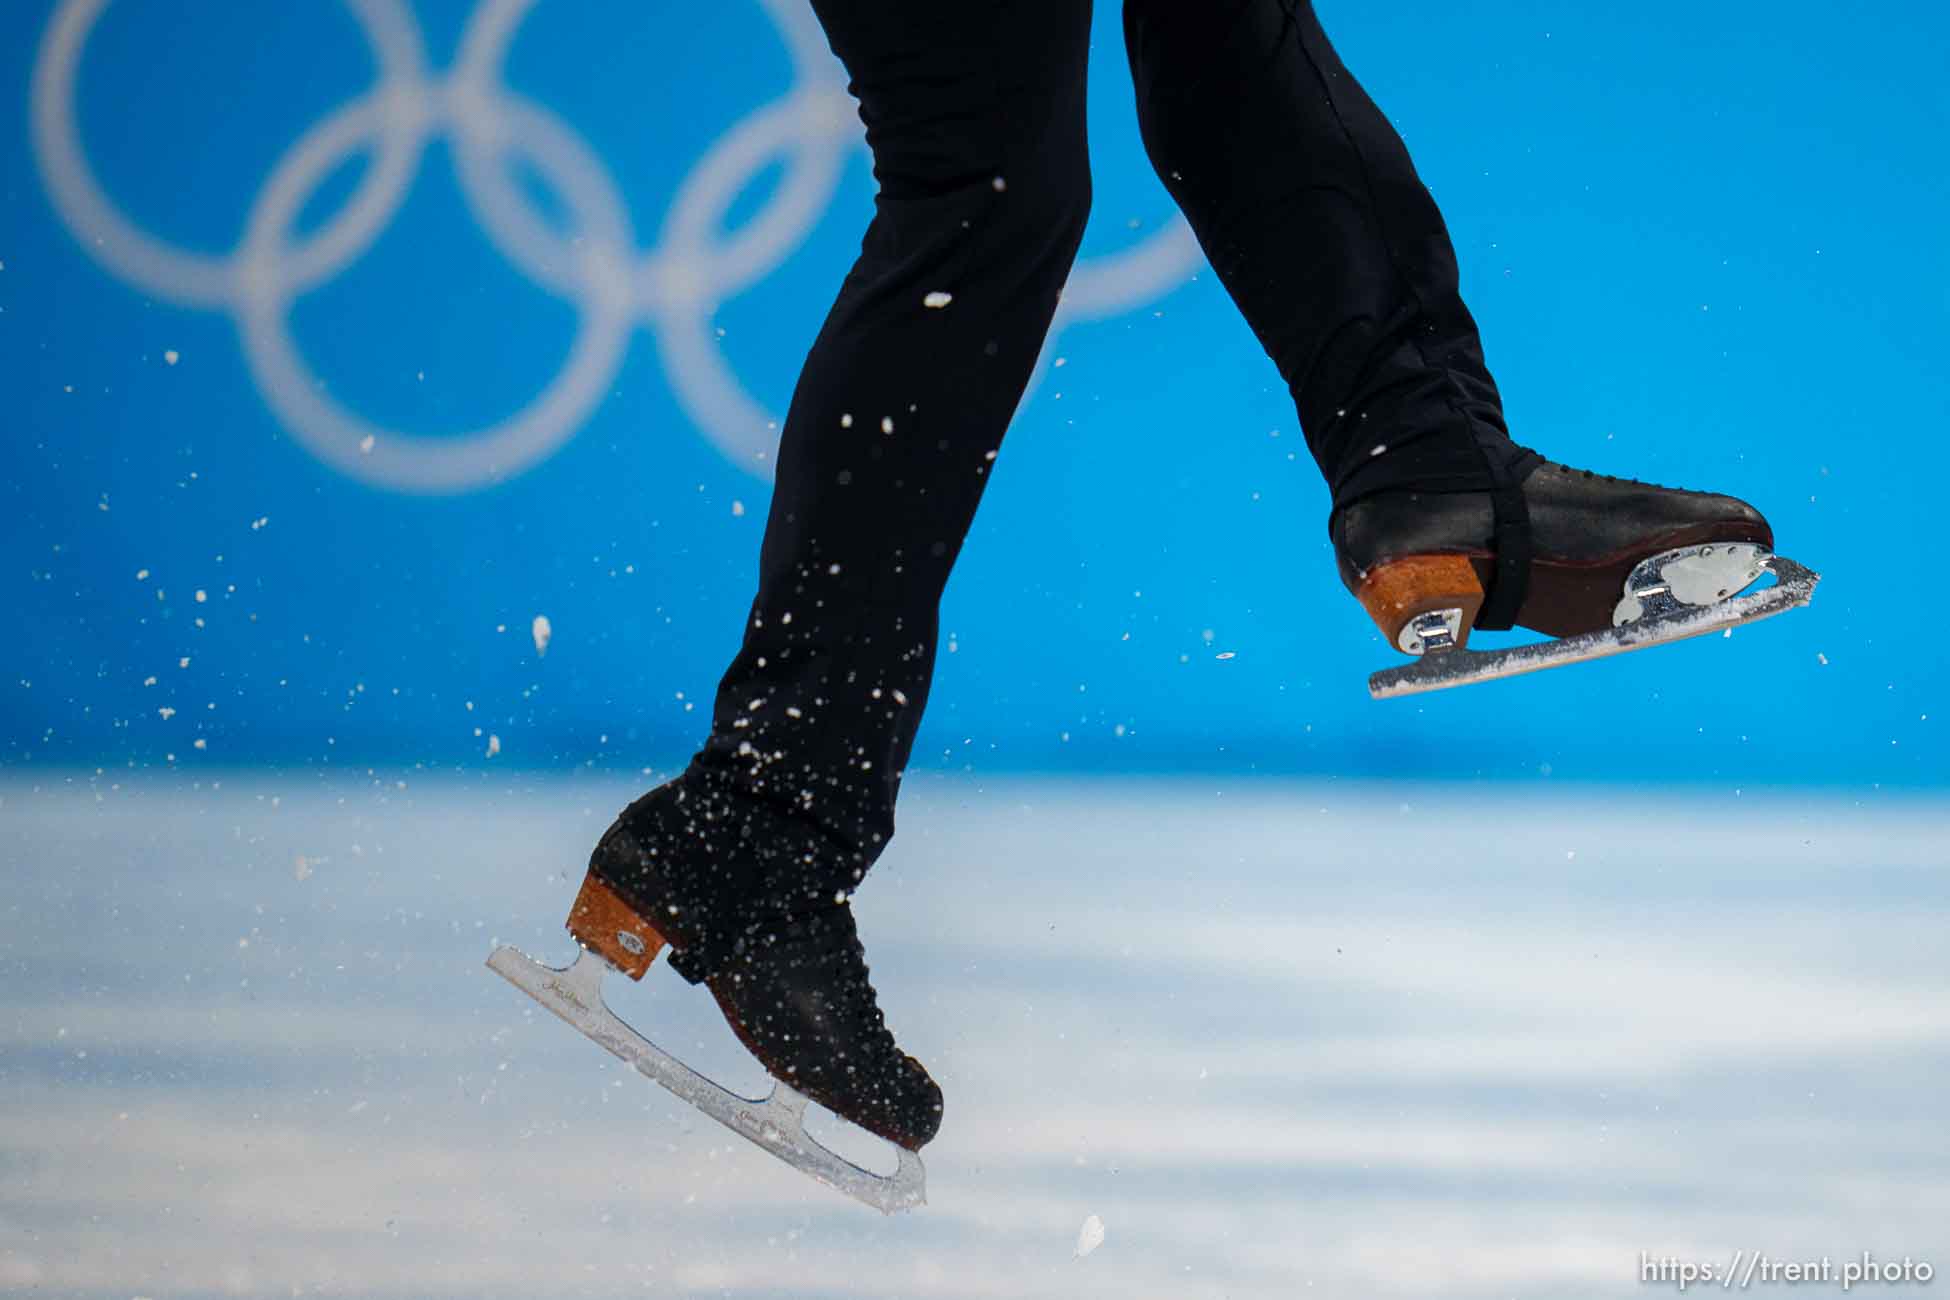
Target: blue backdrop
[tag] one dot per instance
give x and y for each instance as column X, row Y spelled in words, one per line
column 339, row 342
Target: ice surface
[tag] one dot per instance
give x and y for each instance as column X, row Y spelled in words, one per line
column 1286, row 1038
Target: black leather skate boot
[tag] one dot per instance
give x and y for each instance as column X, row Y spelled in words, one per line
column 1550, row 551
column 788, row 970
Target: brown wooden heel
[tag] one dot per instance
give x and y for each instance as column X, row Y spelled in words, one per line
column 1396, row 591
column 607, row 926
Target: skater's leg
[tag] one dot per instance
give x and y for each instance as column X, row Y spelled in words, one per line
column 1307, row 205
column 1305, row 201
column 975, row 116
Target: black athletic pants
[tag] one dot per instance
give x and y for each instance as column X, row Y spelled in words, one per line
column 1304, row 200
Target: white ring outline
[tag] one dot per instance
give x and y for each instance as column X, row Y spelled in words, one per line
column 445, row 463
column 198, row 279
column 675, row 287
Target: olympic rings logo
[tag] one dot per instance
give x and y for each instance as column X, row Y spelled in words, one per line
column 673, row 288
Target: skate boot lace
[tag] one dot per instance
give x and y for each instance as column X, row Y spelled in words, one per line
column 830, row 946
column 857, row 988
column 1591, row 475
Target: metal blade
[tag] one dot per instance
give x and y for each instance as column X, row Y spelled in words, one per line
column 1793, row 586
column 775, row 1122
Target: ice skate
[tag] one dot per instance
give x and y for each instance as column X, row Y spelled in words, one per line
column 792, row 982
column 1601, row 564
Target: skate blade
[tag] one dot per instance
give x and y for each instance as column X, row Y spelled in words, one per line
column 1793, row 586
column 775, row 1122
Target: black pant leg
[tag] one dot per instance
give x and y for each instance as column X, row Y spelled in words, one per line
column 1307, row 205
column 975, row 116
